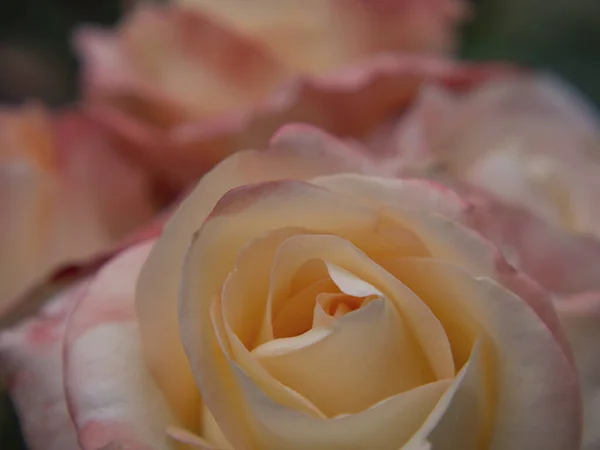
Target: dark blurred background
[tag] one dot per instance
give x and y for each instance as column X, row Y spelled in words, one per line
column 36, row 60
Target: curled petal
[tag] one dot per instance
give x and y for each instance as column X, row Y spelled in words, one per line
column 462, row 417
column 32, row 370
column 525, row 354
column 111, row 395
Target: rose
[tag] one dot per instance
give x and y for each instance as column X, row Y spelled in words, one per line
column 342, row 311
column 211, row 84
column 65, row 195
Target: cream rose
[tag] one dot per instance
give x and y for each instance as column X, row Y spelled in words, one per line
column 297, row 301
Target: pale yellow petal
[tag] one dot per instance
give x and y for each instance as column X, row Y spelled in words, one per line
column 538, row 403
column 425, row 327
column 297, row 315
column 385, row 426
column 397, row 196
column 363, row 358
column 462, row 417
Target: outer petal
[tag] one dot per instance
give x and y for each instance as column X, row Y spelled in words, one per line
column 65, row 195
column 462, row 417
column 560, row 261
column 31, row 362
column 111, row 394
column 580, row 316
column 535, row 390
column 529, row 140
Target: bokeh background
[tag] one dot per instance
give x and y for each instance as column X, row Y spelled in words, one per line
column 36, row 59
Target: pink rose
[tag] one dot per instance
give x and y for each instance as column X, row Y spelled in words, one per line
column 65, row 196
column 297, row 300
column 186, row 80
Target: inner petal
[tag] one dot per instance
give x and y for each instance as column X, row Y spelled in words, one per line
column 362, row 358
column 347, row 266
column 296, row 315
column 330, row 307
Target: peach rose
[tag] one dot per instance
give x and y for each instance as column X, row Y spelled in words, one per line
column 531, row 146
column 296, row 300
column 185, row 79
column 65, row 195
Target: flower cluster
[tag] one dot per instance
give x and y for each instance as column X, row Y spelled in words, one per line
column 279, row 225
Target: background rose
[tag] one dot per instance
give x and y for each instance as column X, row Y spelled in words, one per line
column 518, row 389
column 65, row 195
column 186, row 79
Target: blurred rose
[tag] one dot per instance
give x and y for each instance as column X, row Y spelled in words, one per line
column 525, row 147
column 65, row 195
column 327, row 310
column 188, row 78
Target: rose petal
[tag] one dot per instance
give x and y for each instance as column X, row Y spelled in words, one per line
column 399, row 197
column 31, row 362
column 378, row 427
column 59, row 206
column 560, row 261
column 425, row 327
column 111, row 394
column 536, row 382
column 508, row 136
column 367, row 356
column 461, row 419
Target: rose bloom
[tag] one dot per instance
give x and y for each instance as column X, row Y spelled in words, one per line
column 297, row 300
column 65, row 195
column 200, row 79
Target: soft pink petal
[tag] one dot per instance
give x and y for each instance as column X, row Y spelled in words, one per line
column 529, row 140
column 560, row 261
column 110, row 392
column 31, row 362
